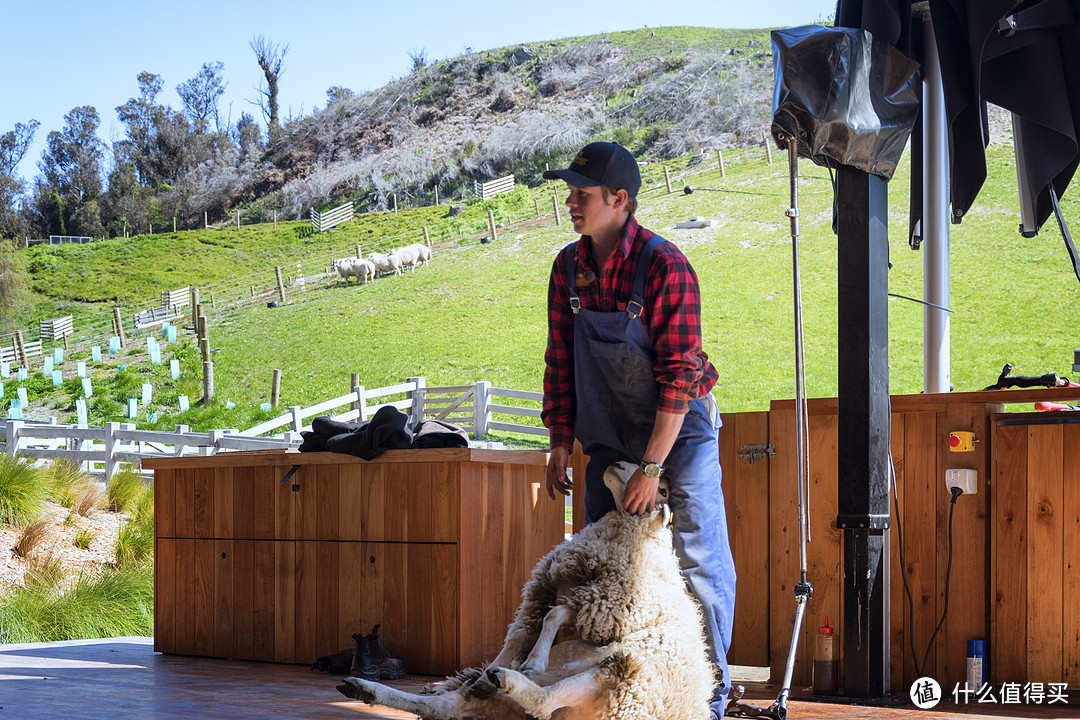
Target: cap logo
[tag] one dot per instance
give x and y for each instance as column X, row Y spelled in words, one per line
column 580, row 159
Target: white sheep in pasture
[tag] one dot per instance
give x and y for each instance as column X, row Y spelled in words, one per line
column 358, row 268
column 606, row 630
column 413, row 255
column 385, row 263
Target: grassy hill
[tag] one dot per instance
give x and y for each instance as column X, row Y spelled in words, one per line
column 477, row 312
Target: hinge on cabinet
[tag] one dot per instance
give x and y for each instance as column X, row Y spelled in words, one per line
column 756, row 452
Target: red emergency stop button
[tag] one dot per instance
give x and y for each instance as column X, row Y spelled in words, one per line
column 961, row 441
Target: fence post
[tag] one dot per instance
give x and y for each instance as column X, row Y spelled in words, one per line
column 481, row 414
column 280, row 284
column 720, row 160
column 22, row 350
column 395, row 203
column 13, row 428
column 111, row 443
column 555, row 205
column 360, row 404
column 119, row 326
column 536, row 204
column 195, row 308
column 768, row 150
column 174, row 223
column 275, row 219
column 427, row 237
column 180, row 446
column 208, row 380
column 238, row 219
column 275, row 388
column 214, row 437
column 417, row 397
column 491, row 225
column 205, row 220
column 436, row 194
column 667, row 178
column 296, row 422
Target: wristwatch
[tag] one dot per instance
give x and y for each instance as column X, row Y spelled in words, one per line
column 651, row 469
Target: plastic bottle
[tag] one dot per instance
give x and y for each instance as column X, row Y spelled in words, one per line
column 825, row 662
column 976, row 664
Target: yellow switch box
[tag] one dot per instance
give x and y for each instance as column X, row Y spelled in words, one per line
column 962, row 441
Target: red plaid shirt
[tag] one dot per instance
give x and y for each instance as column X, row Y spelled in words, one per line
column 672, row 317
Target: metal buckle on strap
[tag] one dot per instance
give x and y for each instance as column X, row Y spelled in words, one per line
column 631, row 312
column 575, row 304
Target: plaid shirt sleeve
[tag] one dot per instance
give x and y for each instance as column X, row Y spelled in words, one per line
column 559, row 394
column 673, row 320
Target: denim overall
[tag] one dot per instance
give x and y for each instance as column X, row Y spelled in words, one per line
column 617, row 396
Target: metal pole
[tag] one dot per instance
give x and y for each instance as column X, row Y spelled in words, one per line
column 936, row 327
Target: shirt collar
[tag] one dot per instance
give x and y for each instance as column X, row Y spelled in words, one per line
column 630, row 233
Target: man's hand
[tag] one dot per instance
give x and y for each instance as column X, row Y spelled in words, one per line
column 556, row 478
column 640, row 493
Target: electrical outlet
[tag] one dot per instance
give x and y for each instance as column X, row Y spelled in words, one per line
column 964, row 479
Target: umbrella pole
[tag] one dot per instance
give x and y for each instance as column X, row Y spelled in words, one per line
column 803, row 589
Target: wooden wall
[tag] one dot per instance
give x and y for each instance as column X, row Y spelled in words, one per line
column 1043, row 508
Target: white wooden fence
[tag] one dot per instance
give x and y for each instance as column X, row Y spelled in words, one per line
column 176, row 298
column 10, row 353
column 101, row 449
column 326, row 220
column 55, row 329
column 492, row 188
column 156, row 316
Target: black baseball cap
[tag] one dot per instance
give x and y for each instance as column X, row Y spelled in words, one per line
column 601, row 163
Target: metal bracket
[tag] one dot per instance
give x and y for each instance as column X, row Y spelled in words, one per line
column 756, row 452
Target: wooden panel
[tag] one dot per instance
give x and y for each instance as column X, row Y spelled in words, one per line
column 375, row 522
column 920, row 522
column 328, row 635
column 224, row 593
column 897, row 599
column 384, row 577
column 306, row 575
column 244, row 503
column 1071, row 554
column 285, row 508
column 351, row 590
column 328, row 504
column 264, row 505
column 783, row 533
column 184, row 507
column 1045, row 542
column 824, row 551
column 263, row 608
column 285, row 603
column 164, row 594
column 203, row 502
column 165, row 503
column 224, row 512
column 432, row 500
column 306, row 503
column 746, row 500
column 244, row 599
column 350, row 500
column 969, row 579
column 203, row 596
column 482, row 561
column 431, row 613
column 184, row 613
column 1008, row 645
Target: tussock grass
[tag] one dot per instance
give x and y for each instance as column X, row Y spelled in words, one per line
column 135, row 542
column 22, row 491
column 31, row 537
column 106, row 603
column 84, row 538
column 125, row 490
column 67, row 483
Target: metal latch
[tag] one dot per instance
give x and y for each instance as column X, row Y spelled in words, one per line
column 756, row 452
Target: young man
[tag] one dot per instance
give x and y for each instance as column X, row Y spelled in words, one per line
column 625, row 374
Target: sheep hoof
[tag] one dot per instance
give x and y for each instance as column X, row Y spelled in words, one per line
column 357, row 689
column 483, row 688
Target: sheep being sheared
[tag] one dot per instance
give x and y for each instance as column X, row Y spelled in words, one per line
column 606, row 630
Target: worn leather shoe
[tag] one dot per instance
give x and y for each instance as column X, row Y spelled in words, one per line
column 389, row 668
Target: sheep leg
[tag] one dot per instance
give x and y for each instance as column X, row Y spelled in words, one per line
column 436, row 707
column 579, row 690
column 537, row 661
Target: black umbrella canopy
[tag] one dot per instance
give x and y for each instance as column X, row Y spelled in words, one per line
column 1023, row 55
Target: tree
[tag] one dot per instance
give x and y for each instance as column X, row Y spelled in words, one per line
column 200, row 96
column 271, row 59
column 140, row 115
column 337, row 93
column 66, row 193
column 418, row 57
column 13, row 147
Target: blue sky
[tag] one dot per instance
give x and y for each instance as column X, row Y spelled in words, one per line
column 63, row 54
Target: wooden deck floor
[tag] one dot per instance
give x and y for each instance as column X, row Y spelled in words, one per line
column 125, row 678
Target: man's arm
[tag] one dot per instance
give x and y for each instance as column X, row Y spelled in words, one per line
column 641, row 490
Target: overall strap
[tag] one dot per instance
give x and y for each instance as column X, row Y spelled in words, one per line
column 637, row 297
column 571, row 281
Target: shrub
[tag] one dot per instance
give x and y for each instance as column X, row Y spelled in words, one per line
column 67, row 483
column 135, row 543
column 22, row 491
column 31, row 537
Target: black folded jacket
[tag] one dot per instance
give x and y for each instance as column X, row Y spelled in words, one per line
column 385, row 431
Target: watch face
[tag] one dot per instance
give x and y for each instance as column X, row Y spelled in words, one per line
column 651, row 470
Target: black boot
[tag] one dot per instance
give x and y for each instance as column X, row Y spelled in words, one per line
column 389, row 668
column 363, row 665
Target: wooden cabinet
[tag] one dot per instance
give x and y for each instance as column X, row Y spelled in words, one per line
column 434, row 545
